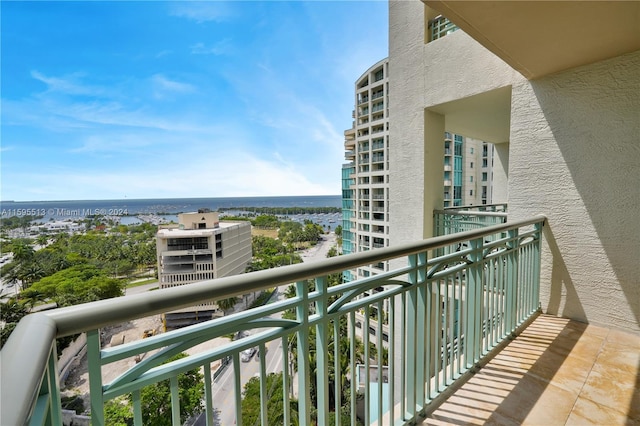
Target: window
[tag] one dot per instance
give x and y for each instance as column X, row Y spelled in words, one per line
column 218, row 246
column 470, row 178
column 471, row 192
column 484, row 177
column 471, row 165
column 484, row 162
column 470, row 150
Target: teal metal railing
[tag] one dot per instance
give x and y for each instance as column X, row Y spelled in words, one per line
column 460, row 219
column 441, row 315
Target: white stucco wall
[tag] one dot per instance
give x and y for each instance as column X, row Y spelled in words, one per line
column 575, row 157
column 456, row 67
column 406, row 117
column 444, row 70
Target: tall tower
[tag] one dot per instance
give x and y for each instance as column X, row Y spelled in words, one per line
column 365, row 178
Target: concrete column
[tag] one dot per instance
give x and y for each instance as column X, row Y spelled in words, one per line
column 433, row 168
column 500, row 174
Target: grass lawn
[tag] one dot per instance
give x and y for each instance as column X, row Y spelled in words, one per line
column 144, row 282
column 271, row 233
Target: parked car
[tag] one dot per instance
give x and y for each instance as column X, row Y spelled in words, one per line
column 247, row 354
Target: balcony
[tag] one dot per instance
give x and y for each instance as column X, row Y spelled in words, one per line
column 451, row 325
column 440, row 27
column 466, row 218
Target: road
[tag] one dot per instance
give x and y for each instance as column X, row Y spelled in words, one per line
column 223, row 389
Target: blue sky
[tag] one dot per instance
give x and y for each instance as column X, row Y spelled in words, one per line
column 106, row 100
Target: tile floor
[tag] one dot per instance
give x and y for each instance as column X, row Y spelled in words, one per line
column 556, row 372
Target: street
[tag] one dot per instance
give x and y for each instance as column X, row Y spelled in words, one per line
column 223, row 394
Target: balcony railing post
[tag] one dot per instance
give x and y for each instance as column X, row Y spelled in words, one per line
column 511, row 291
column 95, row 378
column 422, row 322
column 54, row 389
column 302, row 315
column 322, row 358
column 536, row 264
column 411, row 335
column 473, row 329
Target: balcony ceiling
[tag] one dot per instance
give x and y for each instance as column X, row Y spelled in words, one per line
column 538, row 38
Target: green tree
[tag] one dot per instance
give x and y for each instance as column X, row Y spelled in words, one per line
column 11, row 312
column 156, row 398
column 77, row 284
column 156, row 401
column 275, row 404
column 266, row 222
column 227, row 304
column 118, row 412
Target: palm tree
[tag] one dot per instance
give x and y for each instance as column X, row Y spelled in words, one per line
column 42, row 240
column 227, row 304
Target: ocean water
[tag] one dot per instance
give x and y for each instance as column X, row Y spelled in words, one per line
column 127, row 208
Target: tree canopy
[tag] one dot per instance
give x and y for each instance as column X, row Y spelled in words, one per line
column 74, row 285
column 156, row 401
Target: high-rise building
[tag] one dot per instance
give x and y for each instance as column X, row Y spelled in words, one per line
column 200, row 248
column 365, row 179
column 468, row 170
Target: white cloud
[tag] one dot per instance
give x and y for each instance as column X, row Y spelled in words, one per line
column 221, row 47
column 202, row 11
column 68, row 84
column 162, row 86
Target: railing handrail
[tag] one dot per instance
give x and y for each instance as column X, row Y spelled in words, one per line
column 467, row 213
column 22, row 373
column 476, row 206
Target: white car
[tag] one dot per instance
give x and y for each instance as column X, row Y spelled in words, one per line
column 247, row 354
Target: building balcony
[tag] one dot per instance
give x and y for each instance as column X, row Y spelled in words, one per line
column 467, row 218
column 440, row 27
column 466, row 322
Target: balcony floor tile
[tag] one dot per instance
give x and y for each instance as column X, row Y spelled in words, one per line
column 556, row 372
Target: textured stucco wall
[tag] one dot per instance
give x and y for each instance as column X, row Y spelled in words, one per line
column 422, row 76
column 456, row 66
column 406, row 118
column 575, row 157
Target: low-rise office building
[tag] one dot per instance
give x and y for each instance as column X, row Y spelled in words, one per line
column 200, row 248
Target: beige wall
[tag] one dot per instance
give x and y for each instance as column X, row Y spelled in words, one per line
column 193, row 220
column 575, row 157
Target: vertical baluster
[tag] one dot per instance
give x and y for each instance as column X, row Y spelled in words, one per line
column 367, row 364
column 263, row 384
column 237, row 387
column 95, row 378
column 302, row 315
column 412, row 335
column 322, row 358
column 337, row 371
column 380, row 359
column 421, row 321
column 286, row 381
column 352, row 352
column 54, row 390
column 208, row 398
column 175, row 401
column 137, row 408
column 392, row 358
column 536, row 263
column 511, row 281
